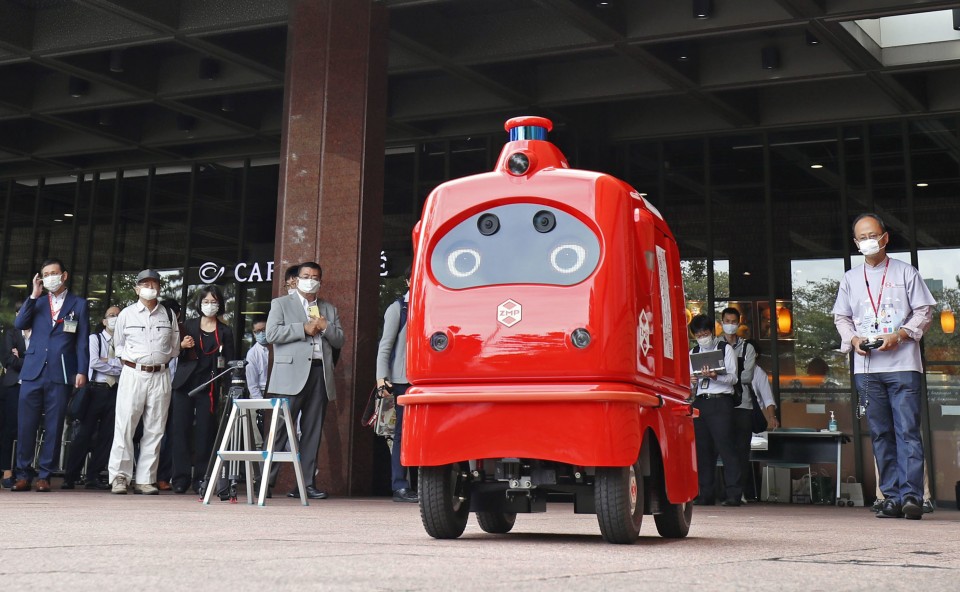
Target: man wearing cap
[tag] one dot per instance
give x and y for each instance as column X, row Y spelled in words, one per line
column 146, row 339
column 55, row 362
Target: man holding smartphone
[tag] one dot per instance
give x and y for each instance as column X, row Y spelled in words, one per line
column 55, row 362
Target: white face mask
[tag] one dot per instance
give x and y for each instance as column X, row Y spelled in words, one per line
column 308, row 286
column 112, row 323
column 705, row 342
column 730, row 328
column 209, row 309
column 869, row 246
column 53, row 282
column 148, row 294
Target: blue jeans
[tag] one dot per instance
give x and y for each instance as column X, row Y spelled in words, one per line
column 397, row 471
column 893, row 414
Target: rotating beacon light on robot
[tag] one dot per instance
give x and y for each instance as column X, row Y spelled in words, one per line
column 547, row 349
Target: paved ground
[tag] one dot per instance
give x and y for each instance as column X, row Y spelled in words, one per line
column 84, row 540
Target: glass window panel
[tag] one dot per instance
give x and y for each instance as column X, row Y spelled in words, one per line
column 684, row 199
column 468, row 157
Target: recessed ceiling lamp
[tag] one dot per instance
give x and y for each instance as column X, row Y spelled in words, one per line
column 186, row 123
column 816, row 166
column 770, row 57
column 209, row 69
column 702, row 9
column 78, row 87
column 68, row 215
column 811, row 38
column 921, row 184
column 116, row 60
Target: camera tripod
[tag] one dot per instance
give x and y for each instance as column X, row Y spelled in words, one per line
column 230, row 472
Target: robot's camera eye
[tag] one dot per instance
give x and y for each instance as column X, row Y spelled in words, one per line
column 518, row 163
column 488, row 224
column 544, row 221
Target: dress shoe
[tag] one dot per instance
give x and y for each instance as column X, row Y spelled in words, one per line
column 164, row 485
column 730, row 502
column 179, row 488
column 405, row 495
column 312, row 493
column 256, row 490
column 704, row 501
column 7, row 482
column 912, row 508
column 890, row 509
column 67, row 485
column 927, row 506
column 877, row 506
column 98, row 484
column 43, row 485
column 21, row 485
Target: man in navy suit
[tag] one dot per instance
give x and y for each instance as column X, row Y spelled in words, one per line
column 55, row 362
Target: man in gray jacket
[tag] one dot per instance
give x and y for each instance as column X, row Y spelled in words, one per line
column 304, row 330
column 392, row 378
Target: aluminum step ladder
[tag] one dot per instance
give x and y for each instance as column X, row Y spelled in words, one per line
column 244, row 411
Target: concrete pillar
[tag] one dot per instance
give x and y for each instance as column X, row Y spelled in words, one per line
column 330, row 202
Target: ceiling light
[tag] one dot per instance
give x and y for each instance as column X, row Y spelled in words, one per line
column 746, row 273
column 816, row 166
column 683, row 58
column 228, row 103
column 68, row 215
column 78, row 87
column 209, row 69
column 58, row 220
column 105, row 118
column 811, row 38
column 23, row 286
column 185, row 123
column 116, row 60
column 702, row 9
column 770, row 57
column 923, row 184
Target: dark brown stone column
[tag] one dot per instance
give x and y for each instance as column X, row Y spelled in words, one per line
column 330, row 203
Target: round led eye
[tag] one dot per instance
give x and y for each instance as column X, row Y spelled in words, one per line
column 488, row 224
column 463, row 262
column 568, row 258
column 518, row 163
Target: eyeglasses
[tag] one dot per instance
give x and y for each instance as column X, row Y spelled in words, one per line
column 52, row 273
column 703, row 334
column 869, row 237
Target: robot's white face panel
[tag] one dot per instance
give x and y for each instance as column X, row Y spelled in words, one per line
column 516, row 244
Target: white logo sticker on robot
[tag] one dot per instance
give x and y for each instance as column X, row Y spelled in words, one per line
column 509, row 313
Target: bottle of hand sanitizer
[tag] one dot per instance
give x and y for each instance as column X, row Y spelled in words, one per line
column 832, row 426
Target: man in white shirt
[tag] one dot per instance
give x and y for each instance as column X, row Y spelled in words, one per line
column 146, row 339
column 95, row 434
column 713, row 429
column 882, row 309
column 258, row 360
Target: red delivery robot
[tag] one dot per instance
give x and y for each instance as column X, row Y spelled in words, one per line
column 547, row 349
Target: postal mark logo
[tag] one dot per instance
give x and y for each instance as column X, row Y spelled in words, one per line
column 509, row 313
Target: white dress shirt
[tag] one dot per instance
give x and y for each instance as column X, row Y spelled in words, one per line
column 723, row 383
column 257, row 363
column 145, row 337
column 100, row 344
